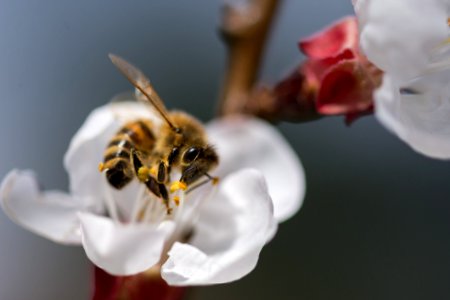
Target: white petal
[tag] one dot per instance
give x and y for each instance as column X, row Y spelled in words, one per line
column 398, row 36
column 421, row 120
column 87, row 146
column 122, row 249
column 250, row 143
column 232, row 229
column 51, row 214
column 357, row 4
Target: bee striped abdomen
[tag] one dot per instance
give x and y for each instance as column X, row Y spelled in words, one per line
column 117, row 161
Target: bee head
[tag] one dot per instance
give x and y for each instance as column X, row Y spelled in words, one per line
column 196, row 162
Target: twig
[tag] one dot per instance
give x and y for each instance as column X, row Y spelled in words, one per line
column 244, row 30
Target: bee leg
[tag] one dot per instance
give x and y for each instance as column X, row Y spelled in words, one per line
column 214, row 181
column 165, row 197
column 163, row 172
column 159, row 190
column 143, row 173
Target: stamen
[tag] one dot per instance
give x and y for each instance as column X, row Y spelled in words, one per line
column 180, row 205
column 177, row 185
column 155, row 212
column 215, row 180
column 192, row 214
column 159, row 213
column 141, row 214
column 148, row 213
column 150, row 208
column 197, row 185
column 139, row 205
column 110, row 205
column 176, row 199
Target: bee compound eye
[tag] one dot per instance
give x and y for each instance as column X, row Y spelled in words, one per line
column 191, row 154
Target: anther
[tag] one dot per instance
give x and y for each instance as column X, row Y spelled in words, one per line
column 214, row 180
column 176, row 199
column 178, row 185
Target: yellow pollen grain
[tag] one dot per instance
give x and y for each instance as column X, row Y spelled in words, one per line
column 178, row 185
column 215, row 180
column 101, row 167
column 154, row 171
column 143, row 173
column 176, row 199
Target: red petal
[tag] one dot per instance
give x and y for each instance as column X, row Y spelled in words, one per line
column 314, row 69
column 345, row 89
column 143, row 286
column 332, row 40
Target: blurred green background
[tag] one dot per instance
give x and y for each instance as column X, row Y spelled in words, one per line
column 375, row 223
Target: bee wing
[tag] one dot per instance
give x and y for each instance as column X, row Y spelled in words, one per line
column 145, row 90
column 139, row 96
column 131, row 95
column 125, row 96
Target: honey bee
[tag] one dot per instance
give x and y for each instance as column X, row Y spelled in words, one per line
column 150, row 153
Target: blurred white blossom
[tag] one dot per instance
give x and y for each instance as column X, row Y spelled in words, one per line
column 409, row 41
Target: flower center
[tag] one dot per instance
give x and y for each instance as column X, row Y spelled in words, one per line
column 149, row 208
column 182, row 204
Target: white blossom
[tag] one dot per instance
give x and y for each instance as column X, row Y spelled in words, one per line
column 215, row 233
column 408, row 40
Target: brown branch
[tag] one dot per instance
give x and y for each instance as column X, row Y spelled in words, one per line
column 244, row 30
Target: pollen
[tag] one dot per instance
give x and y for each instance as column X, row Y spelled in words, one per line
column 176, row 199
column 178, row 185
column 215, row 180
column 101, row 167
column 143, row 173
column 154, row 171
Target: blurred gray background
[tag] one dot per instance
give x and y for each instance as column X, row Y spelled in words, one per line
column 375, row 223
